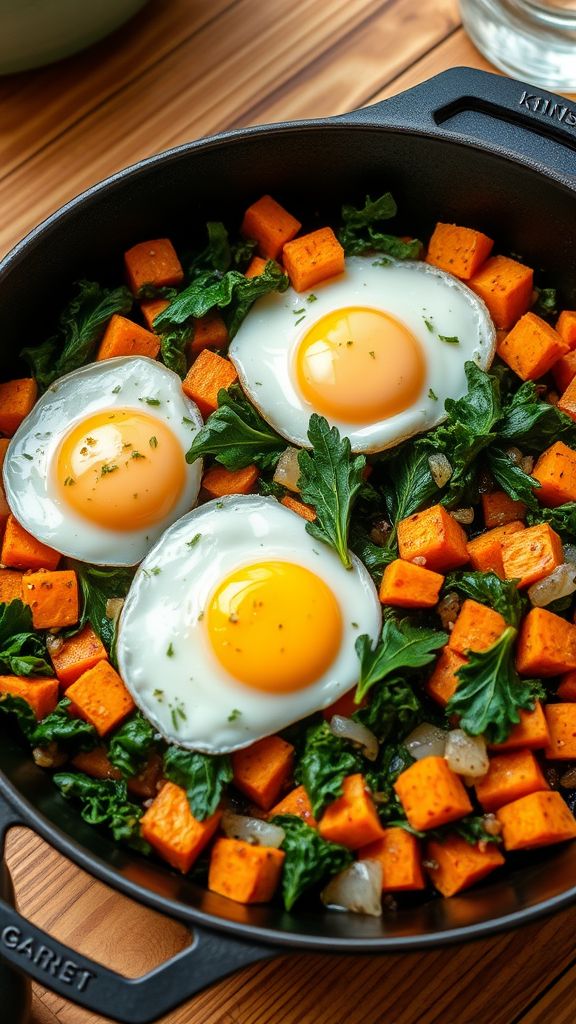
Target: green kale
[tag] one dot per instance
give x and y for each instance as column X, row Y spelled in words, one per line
column 22, row 651
column 394, row 708
column 487, row 588
column 490, row 692
column 562, row 519
column 359, row 232
column 217, row 254
column 203, row 776
column 393, row 759
column 60, row 727
column 511, row 478
column 323, row 765
column 546, row 304
column 236, row 435
column 472, row 828
column 309, row 858
column 408, row 483
column 105, row 802
column 330, row 479
column 81, row 326
column 374, row 557
column 98, row 585
column 533, row 424
column 173, row 349
column 402, row 646
column 21, row 711
column 131, row 745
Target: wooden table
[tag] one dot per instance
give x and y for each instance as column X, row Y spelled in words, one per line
column 181, row 69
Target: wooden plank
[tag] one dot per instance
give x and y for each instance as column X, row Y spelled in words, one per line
column 457, row 51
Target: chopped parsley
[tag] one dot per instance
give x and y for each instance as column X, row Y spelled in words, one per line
column 153, row 442
column 432, row 394
column 170, row 650
column 150, row 401
column 192, row 543
column 234, row 714
column 448, row 339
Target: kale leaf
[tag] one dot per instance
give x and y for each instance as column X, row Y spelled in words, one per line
column 236, row 435
column 323, row 765
column 21, row 711
column 562, row 519
column 22, row 651
column 392, row 761
column 61, row 728
column 512, row 479
column 98, row 585
column 81, row 326
column 309, row 858
column 533, row 424
column 408, row 483
column 330, row 479
column 173, row 349
column 105, row 802
column 203, row 776
column 359, row 232
column 131, row 744
column 487, row 588
column 374, row 557
column 402, row 646
column 394, row 707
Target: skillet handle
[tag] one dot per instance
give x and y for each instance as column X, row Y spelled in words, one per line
column 503, row 114
column 210, row 956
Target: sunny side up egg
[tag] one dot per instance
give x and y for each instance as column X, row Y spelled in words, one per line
column 98, row 470
column 377, row 351
column 239, row 623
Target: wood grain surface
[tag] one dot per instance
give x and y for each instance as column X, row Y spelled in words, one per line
column 180, row 69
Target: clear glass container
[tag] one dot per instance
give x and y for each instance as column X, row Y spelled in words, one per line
column 530, row 39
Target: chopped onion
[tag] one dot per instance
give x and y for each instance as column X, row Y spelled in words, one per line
column 252, row 830
column 358, row 734
column 113, row 608
column 418, row 560
column 491, row 824
column 515, row 455
column 527, row 464
column 560, row 583
column 380, row 532
column 449, row 609
column 426, row 740
column 463, row 515
column 466, row 755
column 568, row 778
column 440, row 469
column 570, row 553
column 357, row 888
column 287, row 471
column 54, row 643
column 552, row 397
column 49, row 757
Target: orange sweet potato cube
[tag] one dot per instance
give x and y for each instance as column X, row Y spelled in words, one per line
column 566, row 327
column 536, row 820
column 41, row 694
column 532, row 347
column 145, row 784
column 530, row 732
column 398, row 851
column 153, row 262
column 123, row 337
column 509, row 777
column 532, row 554
column 20, row 550
column 96, row 764
column 458, row 864
column 151, row 308
column 506, row 287
column 567, row 688
column 352, row 819
column 245, row 873
column 173, row 831
column 210, row 331
column 100, row 697
column 431, row 794
column 435, row 536
column 296, row 802
column 442, row 684
column 405, row 585
column 207, row 375
column 500, row 509
column 10, row 585
column 16, row 400
column 567, row 400
column 564, row 370
column 256, row 267
column 262, row 770
column 52, row 598
column 270, row 225
column 460, row 251
column 546, row 644
column 476, row 628
column 77, row 654
column 561, row 719
column 218, row 481
column 299, row 507
column 485, row 551
column 556, row 473
column 313, row 258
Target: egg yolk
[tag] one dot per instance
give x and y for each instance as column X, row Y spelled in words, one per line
column 359, row 365
column 121, row 469
column 274, row 626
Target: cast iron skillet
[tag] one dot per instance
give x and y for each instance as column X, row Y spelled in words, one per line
column 465, row 147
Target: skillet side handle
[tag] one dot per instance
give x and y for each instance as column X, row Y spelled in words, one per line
column 210, row 957
column 503, row 114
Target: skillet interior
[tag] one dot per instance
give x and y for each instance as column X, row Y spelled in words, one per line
column 310, row 168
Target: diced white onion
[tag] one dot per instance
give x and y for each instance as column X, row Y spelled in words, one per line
column 287, row 471
column 515, row 455
column 426, row 740
column 252, row 830
column 449, row 609
column 114, row 607
column 568, row 779
column 440, row 469
column 463, row 515
column 527, row 464
column 570, row 553
column 560, row 583
column 54, row 643
column 358, row 734
column 357, row 888
column 466, row 755
column 419, row 560
column 491, row 824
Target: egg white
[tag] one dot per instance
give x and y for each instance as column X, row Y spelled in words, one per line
column 29, row 466
column 263, row 350
column 164, row 612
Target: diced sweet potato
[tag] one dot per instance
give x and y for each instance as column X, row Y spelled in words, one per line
column 485, row 551
column 531, row 555
column 151, row 308
column 262, row 770
column 299, row 507
column 566, row 327
column 398, row 851
column 476, row 628
column 96, row 764
column 530, row 732
column 567, row 400
column 564, row 370
column 270, row 225
column 52, row 598
column 555, row 470
column 536, row 820
column 405, row 585
column 173, row 831
column 154, row 263
column 546, row 644
column 10, row 585
column 532, row 347
column 352, row 819
column 123, row 337
column 506, row 287
column 435, row 536
column 510, row 777
column 218, row 481
column 313, row 258
column 41, row 694
column 16, row 400
column 442, row 684
column 256, row 267
column 296, row 802
column 100, row 697
column 561, row 720
column 76, row 655
column 431, row 794
column 20, row 550
column 207, row 375
column 457, row 864
column 500, row 509
column 145, row 784
column 460, row 251
column 210, row 331
column 567, row 688
column 245, row 873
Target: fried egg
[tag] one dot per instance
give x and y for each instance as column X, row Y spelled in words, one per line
column 377, row 351
column 98, row 470
column 239, row 623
